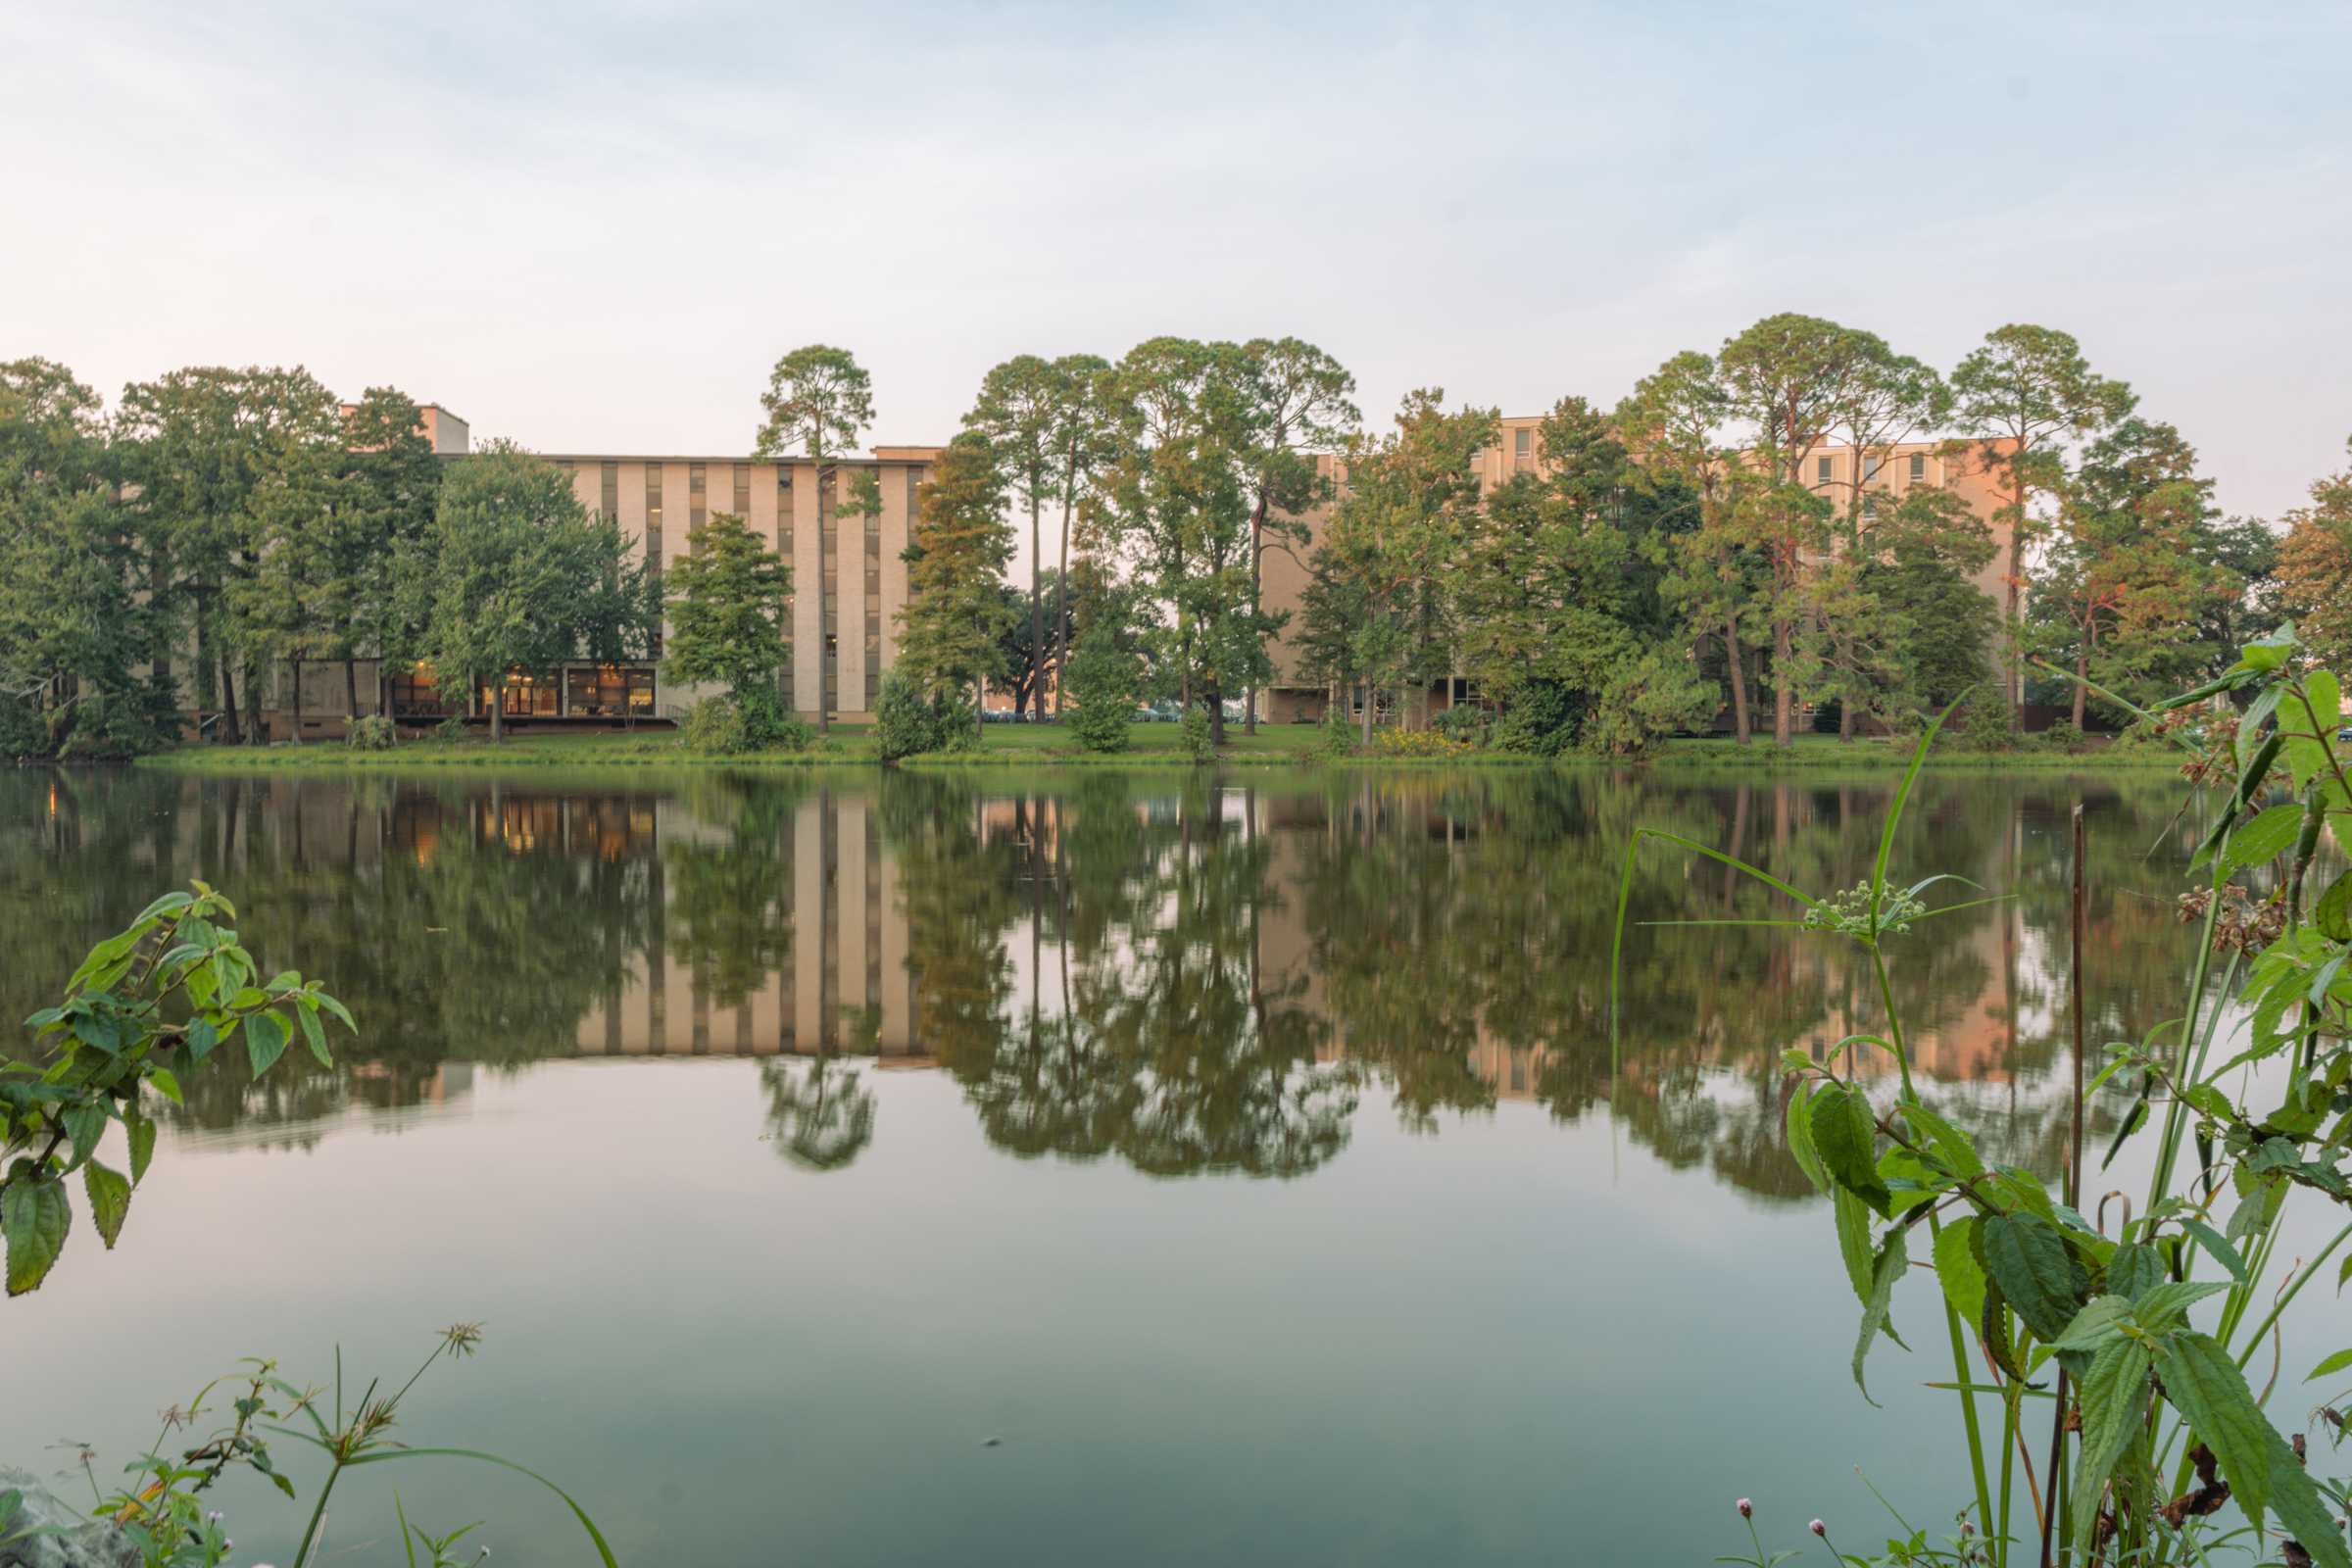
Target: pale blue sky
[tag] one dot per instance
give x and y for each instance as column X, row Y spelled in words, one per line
column 594, row 226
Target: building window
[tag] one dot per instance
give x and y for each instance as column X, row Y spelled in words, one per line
column 609, row 500
column 784, row 531
column 1871, row 468
column 743, row 490
column 608, row 691
column 1820, row 471
column 698, row 501
column 653, row 518
column 523, row 695
column 1522, row 441
column 828, row 546
column 415, row 693
column 1919, row 467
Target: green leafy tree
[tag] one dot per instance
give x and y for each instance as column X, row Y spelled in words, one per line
column 1672, row 423
column 74, row 625
column 2315, row 569
column 2125, row 586
column 1105, row 680
column 2024, row 394
column 1789, row 379
column 523, row 578
column 1083, row 441
column 1296, row 402
column 1022, row 410
column 206, row 449
column 1026, row 660
column 391, row 479
column 952, row 625
column 727, row 621
column 819, row 400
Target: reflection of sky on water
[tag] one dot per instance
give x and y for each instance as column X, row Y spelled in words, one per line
column 772, row 1308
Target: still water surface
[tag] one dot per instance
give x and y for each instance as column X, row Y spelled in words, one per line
column 1071, row 1170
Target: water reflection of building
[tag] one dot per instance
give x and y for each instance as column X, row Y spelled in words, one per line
column 843, row 985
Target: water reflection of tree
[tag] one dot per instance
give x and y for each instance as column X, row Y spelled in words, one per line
column 1164, row 1045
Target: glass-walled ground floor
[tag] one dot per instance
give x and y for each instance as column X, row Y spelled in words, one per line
column 610, row 693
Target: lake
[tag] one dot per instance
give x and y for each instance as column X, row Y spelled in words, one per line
column 1079, row 1168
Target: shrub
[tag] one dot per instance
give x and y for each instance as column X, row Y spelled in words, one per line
column 1646, row 702
column 1419, row 743
column 374, row 733
column 715, row 725
column 1335, row 736
column 905, row 723
column 1105, row 678
column 1197, row 736
column 766, row 725
column 2061, row 737
column 451, row 728
column 1542, row 719
column 1462, row 723
column 1980, row 725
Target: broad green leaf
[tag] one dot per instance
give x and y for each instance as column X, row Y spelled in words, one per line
column 339, row 1011
column 2263, row 1473
column 1845, row 1139
column 265, row 1039
column 109, row 1199
column 2134, row 1270
column 1950, row 1144
column 1800, row 1138
column 1887, row 1267
column 2098, row 1322
column 2211, row 1240
column 2264, row 839
column 141, row 1132
column 85, row 1124
column 2026, row 1256
column 1957, row 1269
column 2334, row 1363
column 2326, row 700
column 2114, row 1401
column 314, row 1036
column 165, row 1084
column 165, row 904
column 35, row 1217
column 2332, row 914
column 1854, row 1239
column 201, row 1038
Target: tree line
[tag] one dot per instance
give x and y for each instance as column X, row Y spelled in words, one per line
column 1665, row 560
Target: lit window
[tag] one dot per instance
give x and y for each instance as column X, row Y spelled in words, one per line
column 1919, row 467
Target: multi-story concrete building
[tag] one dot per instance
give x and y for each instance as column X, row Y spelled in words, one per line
column 848, row 570
column 1831, row 471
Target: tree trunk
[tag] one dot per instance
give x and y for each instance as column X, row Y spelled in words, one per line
column 1845, row 699
column 498, row 712
column 226, row 679
column 2081, row 674
column 1037, row 621
column 1784, row 688
column 1735, row 663
column 1217, row 718
column 1061, row 587
column 296, row 662
column 351, row 693
column 1371, row 692
column 979, row 711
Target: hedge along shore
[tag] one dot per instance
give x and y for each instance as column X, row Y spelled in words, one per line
column 1154, row 748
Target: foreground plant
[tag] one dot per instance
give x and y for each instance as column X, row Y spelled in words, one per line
column 163, row 1510
column 148, row 1003
column 2153, row 1426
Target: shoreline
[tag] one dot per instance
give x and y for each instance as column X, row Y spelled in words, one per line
column 1811, row 754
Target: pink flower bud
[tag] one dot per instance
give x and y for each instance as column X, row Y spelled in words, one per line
column 1747, row 1510
column 1819, row 1529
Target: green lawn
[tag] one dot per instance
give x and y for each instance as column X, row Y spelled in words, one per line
column 1049, row 744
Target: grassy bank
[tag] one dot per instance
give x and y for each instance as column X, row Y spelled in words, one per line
column 1150, row 746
